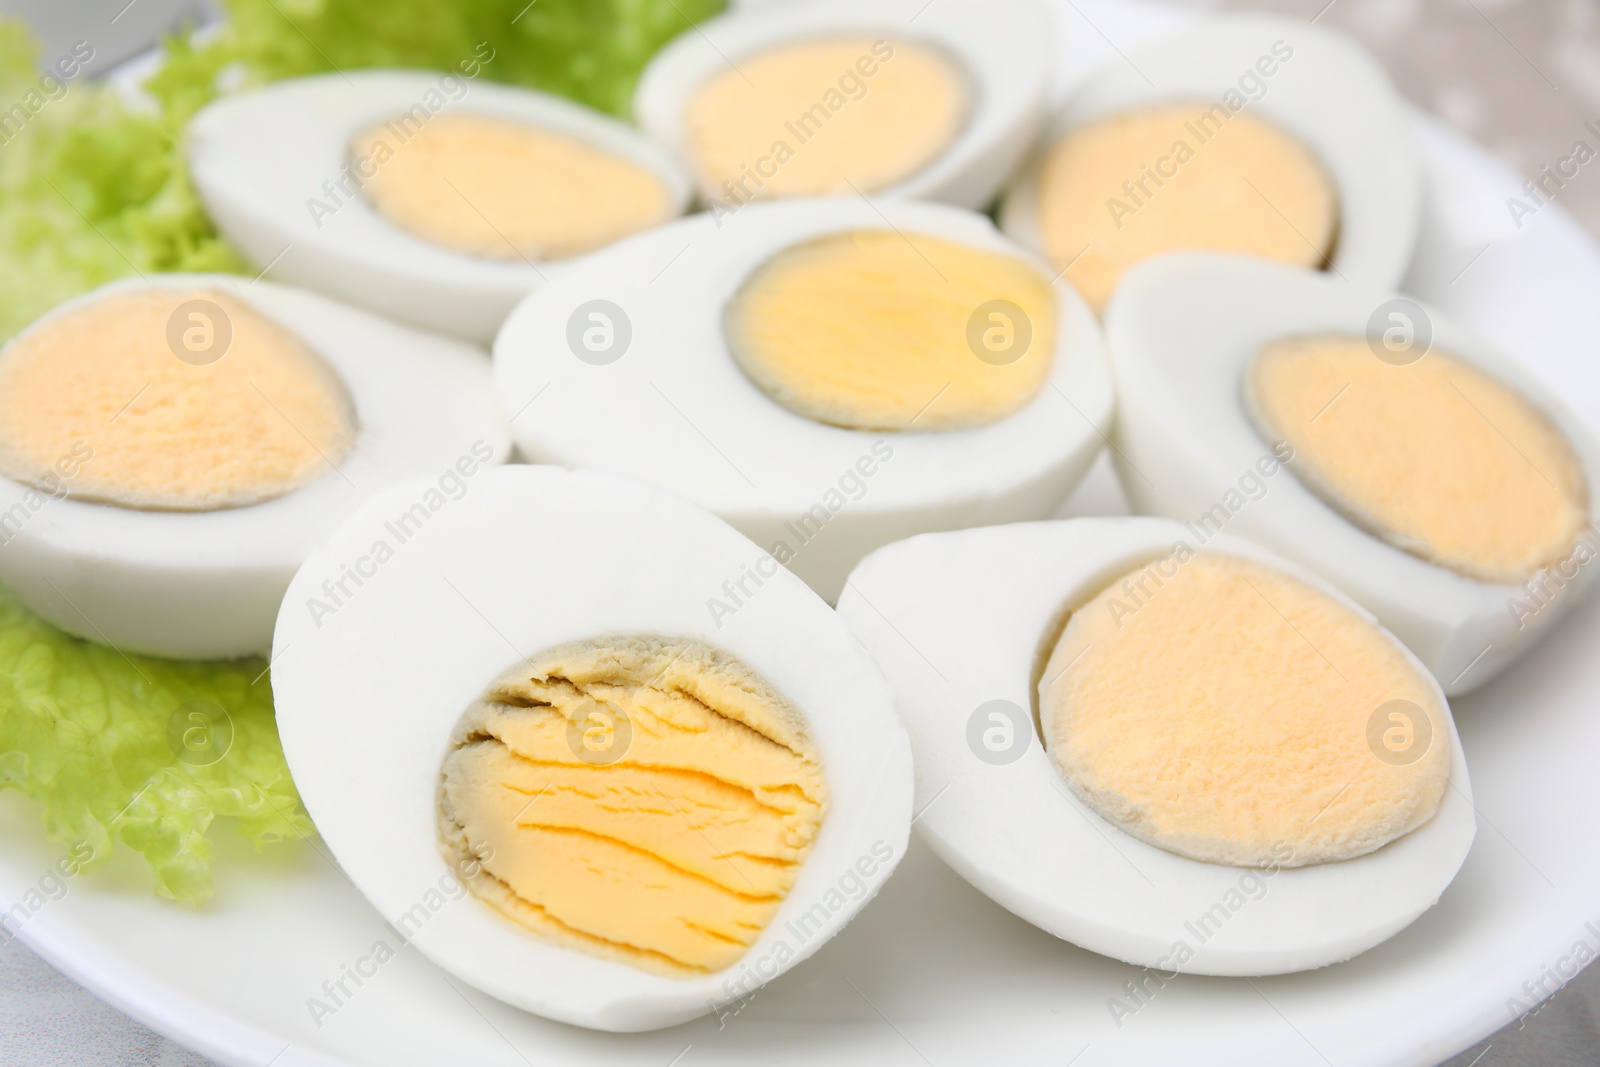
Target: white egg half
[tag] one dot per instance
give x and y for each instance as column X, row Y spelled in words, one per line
column 207, row 584
column 957, row 620
column 673, row 408
column 1329, row 95
column 1184, row 328
column 273, row 168
column 531, row 558
column 1004, row 52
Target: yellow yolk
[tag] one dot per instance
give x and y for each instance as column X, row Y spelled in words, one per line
column 877, row 330
column 1218, row 709
column 1141, row 183
column 186, row 401
column 1434, row 456
column 818, row 117
column 643, row 800
column 504, row 190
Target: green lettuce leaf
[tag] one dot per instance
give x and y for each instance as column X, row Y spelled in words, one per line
column 141, row 750
column 90, row 191
column 93, row 188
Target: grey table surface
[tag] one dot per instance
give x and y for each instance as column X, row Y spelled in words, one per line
column 1520, row 77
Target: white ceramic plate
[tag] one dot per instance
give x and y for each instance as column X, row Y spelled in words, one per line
column 933, row 972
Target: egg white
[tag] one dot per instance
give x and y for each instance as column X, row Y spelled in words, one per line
column 207, row 585
column 260, row 158
column 676, row 410
column 530, row 558
column 959, row 619
column 1183, row 330
column 1005, row 51
column 1330, row 95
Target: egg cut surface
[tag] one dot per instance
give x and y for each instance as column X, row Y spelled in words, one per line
column 1189, row 757
column 825, row 374
column 437, row 198
column 1438, row 483
column 915, row 107
column 634, row 810
column 1225, row 138
column 1487, row 485
column 838, row 98
column 171, row 448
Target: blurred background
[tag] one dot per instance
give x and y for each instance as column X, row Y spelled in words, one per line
column 1520, row 77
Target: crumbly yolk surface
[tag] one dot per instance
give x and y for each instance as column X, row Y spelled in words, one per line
column 820, row 117
column 1120, row 190
column 643, row 800
column 188, row 401
column 1226, row 712
column 504, row 190
column 1434, row 456
column 880, row 330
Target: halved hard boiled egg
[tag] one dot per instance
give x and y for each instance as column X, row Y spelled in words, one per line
column 172, row 447
column 1249, row 134
column 1404, row 458
column 827, row 375
column 432, row 197
column 1196, row 758
column 934, row 101
column 580, row 791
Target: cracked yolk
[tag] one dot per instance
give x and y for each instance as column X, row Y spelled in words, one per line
column 182, row 401
column 643, row 800
column 824, row 117
column 1181, row 176
column 1434, row 456
column 879, row 330
column 504, row 190
column 1221, row 710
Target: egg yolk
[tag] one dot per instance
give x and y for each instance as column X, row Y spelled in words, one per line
column 877, row 330
column 643, row 800
column 1434, row 456
column 183, row 401
column 1221, row 710
column 823, row 117
column 503, row 190
column 1137, row 184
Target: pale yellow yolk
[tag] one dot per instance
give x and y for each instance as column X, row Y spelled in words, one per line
column 504, row 190
column 1141, row 183
column 184, row 401
column 1226, row 712
column 820, row 117
column 877, row 330
column 1435, row 456
column 643, row 800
